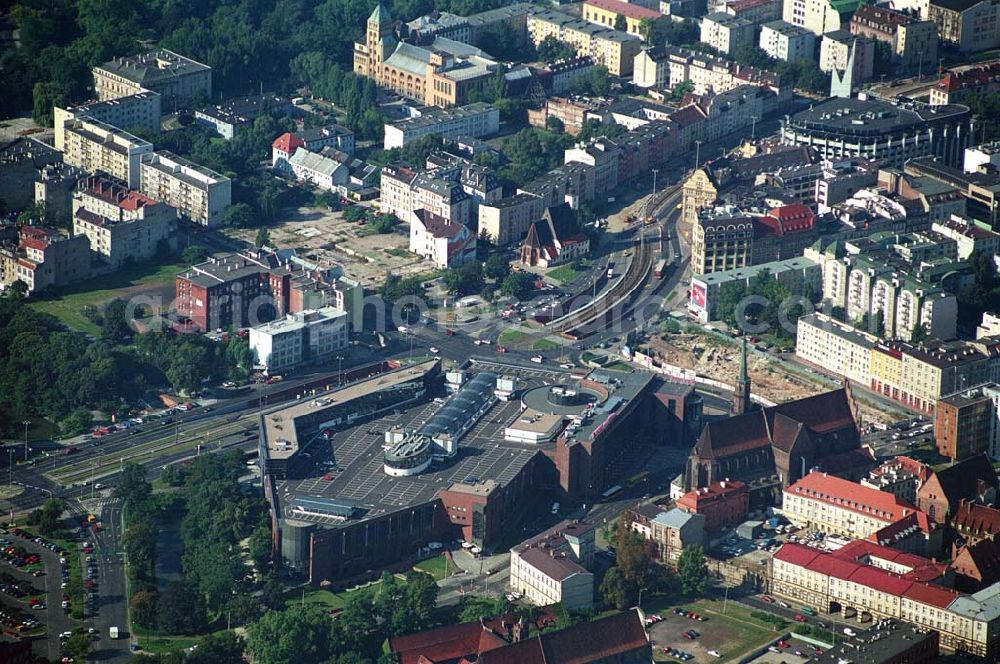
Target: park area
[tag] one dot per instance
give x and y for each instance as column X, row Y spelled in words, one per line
column 729, row 629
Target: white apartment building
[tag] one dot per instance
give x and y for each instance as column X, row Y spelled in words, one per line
column 313, row 335
column 835, row 53
column 94, row 146
column 727, row 33
column 404, row 191
column 552, row 567
column 507, row 220
column 121, row 225
column 141, row 110
column 200, row 194
column 476, row 120
column 651, row 69
column 842, row 349
column 819, row 16
column 443, row 242
column 785, row 41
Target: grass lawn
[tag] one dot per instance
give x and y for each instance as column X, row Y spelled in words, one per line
column 328, row 599
column 67, row 304
column 436, row 567
column 618, row 366
column 563, row 274
column 512, row 336
column 545, row 344
column 160, row 645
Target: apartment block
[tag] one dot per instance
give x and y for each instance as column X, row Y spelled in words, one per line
column 826, row 342
column 901, row 476
column 606, row 13
column 724, row 504
column 963, row 424
column 960, row 81
column 819, row 16
column 123, row 226
column 721, row 240
column 244, row 290
column 727, row 33
column 614, row 49
column 232, row 116
column 45, row 258
column 552, row 567
column 476, row 120
column 795, row 274
column 95, row 146
column 784, row 41
column 200, row 194
column 968, row 25
column 176, row 78
column 445, row 243
column 913, row 42
column 968, row 236
column 313, row 335
column 21, row 160
column 651, row 68
column 877, row 582
column 837, row 506
column 835, row 53
column 138, row 111
column 507, row 220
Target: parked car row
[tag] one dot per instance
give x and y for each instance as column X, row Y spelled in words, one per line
column 13, row 620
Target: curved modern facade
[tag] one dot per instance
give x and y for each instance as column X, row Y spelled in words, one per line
column 843, row 128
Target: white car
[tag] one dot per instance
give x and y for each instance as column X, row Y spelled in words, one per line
column 715, row 653
column 434, row 350
column 477, row 341
column 538, row 359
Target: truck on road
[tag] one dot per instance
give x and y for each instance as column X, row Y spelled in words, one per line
column 113, row 632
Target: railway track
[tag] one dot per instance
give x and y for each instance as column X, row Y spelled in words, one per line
column 590, row 319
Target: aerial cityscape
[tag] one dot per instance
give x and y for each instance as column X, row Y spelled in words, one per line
column 485, row 332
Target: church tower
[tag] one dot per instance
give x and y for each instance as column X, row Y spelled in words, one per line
column 741, row 391
column 379, row 44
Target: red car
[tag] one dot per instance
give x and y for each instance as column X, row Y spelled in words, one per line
column 800, row 618
column 687, row 636
column 783, row 644
column 768, row 599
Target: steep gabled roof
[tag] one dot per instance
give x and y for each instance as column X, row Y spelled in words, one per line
column 962, row 479
column 977, row 518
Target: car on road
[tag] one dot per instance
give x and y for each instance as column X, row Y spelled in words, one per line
column 538, row 359
column 434, row 350
column 800, row 618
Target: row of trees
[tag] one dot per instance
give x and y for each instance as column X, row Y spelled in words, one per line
column 803, row 74
column 764, row 305
column 306, row 634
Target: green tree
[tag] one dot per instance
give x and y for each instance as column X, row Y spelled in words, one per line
column 116, row 327
column 300, row 634
column 219, row 648
column 48, row 518
column 552, row 123
column 465, row 279
column 616, row 590
column 79, row 421
column 179, row 609
column 241, row 215
column 634, row 554
column 77, row 646
column 620, row 23
column 919, row 334
column 692, row 572
column 518, row 285
column 497, row 267
column 263, row 238
column 143, row 608
column 196, row 253
column 18, row 290
column 473, row 608
column 244, row 609
column 132, row 483
column 552, row 49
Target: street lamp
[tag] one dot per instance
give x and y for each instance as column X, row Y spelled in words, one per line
column 26, row 423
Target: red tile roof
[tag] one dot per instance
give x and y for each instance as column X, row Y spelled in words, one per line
column 975, row 518
column 880, row 579
column 625, row 9
column 926, row 593
column 34, row 243
column 688, row 115
column 710, row 494
column 852, row 496
column 796, row 554
column 288, row 143
column 449, row 643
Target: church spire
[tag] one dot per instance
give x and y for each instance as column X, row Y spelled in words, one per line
column 380, row 15
column 741, row 391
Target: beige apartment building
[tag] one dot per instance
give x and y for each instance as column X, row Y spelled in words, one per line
column 833, row 505
column 614, row 49
column 169, row 74
column 200, row 194
column 721, row 240
column 141, row 110
column 842, row 349
column 95, row 146
column 969, row 25
column 551, row 567
column 121, row 225
column 507, row 220
column 877, row 582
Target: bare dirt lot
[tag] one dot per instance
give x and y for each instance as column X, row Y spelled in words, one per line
column 325, row 237
column 711, row 358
